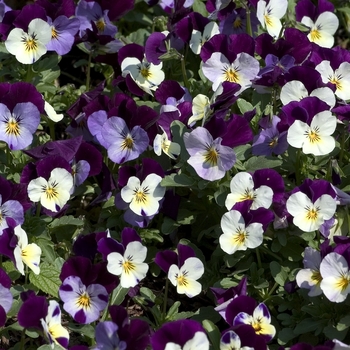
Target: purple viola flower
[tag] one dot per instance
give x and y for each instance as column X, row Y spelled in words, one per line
column 208, row 157
column 270, row 140
column 181, row 334
column 236, row 22
column 83, row 303
column 63, row 30
column 6, row 297
column 107, row 337
column 10, row 209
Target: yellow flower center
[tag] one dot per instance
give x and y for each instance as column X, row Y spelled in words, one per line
column 248, row 195
column 312, row 213
column 240, row 237
column 316, row 277
column 12, row 127
column 273, row 143
column 231, row 76
column 268, row 20
column 84, row 301
column 237, row 23
column 141, row 194
column 181, row 279
column 257, row 327
column 145, row 72
column 315, row 35
column 100, row 25
column 211, row 156
column 30, row 43
column 51, row 193
column 128, row 266
column 128, row 143
column 343, row 283
column 54, row 34
column 336, row 82
column 313, row 135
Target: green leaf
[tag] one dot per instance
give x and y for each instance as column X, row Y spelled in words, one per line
column 139, row 36
column 147, row 293
column 49, row 347
column 48, row 280
column 285, row 335
column 343, row 323
column 206, row 313
column 177, row 180
column 66, row 220
column 261, row 162
column 88, row 330
column 333, row 333
column 213, row 333
column 308, row 325
column 242, row 152
column 199, row 6
column 11, row 270
column 244, row 106
column 47, row 248
column 278, row 272
column 174, row 309
column 118, row 295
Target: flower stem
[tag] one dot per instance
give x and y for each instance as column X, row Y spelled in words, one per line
column 183, row 68
column 38, row 209
column 88, row 72
column 249, row 22
column 22, row 339
column 342, row 145
column 29, row 75
column 258, row 257
column 298, row 167
column 52, row 129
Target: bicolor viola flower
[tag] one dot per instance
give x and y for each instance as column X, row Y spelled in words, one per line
column 54, row 193
column 24, row 253
column 130, row 266
column 260, row 321
column 18, row 126
column 162, row 143
column 185, row 277
column 6, row 297
column 242, row 188
column 11, row 209
column 308, row 215
column 29, row 47
column 145, row 74
column 335, row 274
column 242, row 70
column 310, row 276
column 53, row 329
column 270, row 14
column 180, row 335
column 236, row 235
column 231, row 340
column 340, row 77
column 315, row 138
column 123, row 144
column 143, row 197
column 208, row 157
column 200, row 109
column 198, row 38
column 83, row 303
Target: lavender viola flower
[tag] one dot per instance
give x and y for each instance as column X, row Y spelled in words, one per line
column 208, row 157
column 10, row 209
column 182, row 334
column 6, row 297
column 63, row 30
column 83, row 303
column 107, row 338
column 236, row 22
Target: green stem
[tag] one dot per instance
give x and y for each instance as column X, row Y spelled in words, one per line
column 105, row 312
column 268, row 251
column 9, row 157
column 183, row 68
column 22, row 339
column 52, row 129
column 29, row 75
column 258, row 257
column 249, row 22
column 88, row 72
column 274, row 101
column 275, row 286
column 38, row 209
column 165, row 298
column 26, row 276
column 81, row 82
column 342, row 146
column 298, row 167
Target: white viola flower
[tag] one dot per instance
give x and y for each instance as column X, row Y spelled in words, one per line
column 322, row 31
column 315, row 138
column 335, row 274
column 295, row 91
column 51, row 113
column 185, row 278
column 236, row 235
column 200, row 109
column 162, row 143
column 269, row 15
column 25, row 253
column 242, row 188
column 310, row 276
column 52, row 326
column 145, row 74
column 29, row 47
column 198, row 342
column 131, row 266
column 54, row 193
column 143, row 197
column 309, row 216
column 339, row 77
column 242, row 71
column 231, row 340
column 198, row 39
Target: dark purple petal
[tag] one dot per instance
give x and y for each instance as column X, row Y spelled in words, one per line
column 165, row 259
column 155, row 47
column 28, row 13
column 45, row 166
column 78, row 266
column 240, row 304
column 272, row 179
column 31, row 311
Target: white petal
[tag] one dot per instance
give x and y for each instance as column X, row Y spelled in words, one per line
column 325, row 94
column 326, row 71
column 198, row 342
column 194, row 268
column 293, row 91
column 327, row 22
column 172, row 273
column 115, row 263
column 31, row 257
column 264, row 195
column 51, row 113
column 327, row 206
column 296, row 136
column 254, row 235
column 191, row 288
column 297, row 203
column 278, row 8
column 127, row 192
column 137, row 251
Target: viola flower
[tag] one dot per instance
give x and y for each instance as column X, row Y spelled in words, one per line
column 340, row 77
column 145, row 74
column 162, row 143
column 198, row 38
column 185, row 278
column 309, row 216
column 28, row 254
column 107, row 337
column 122, row 144
column 29, row 47
column 10, row 209
column 231, row 340
column 260, row 321
column 310, row 277
column 17, row 127
column 200, row 109
column 181, row 334
column 241, row 71
column 315, row 138
column 6, row 297
column 335, row 274
column 52, row 326
column 143, row 197
column 54, row 193
column 83, row 303
column 208, row 157
column 236, row 235
column 51, row 113
column 130, row 266
column 269, row 15
column 242, row 189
